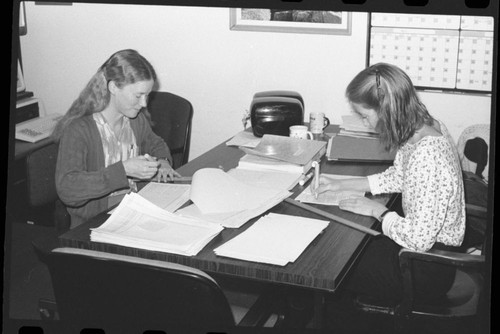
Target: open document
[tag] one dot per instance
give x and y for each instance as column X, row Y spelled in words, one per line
column 274, row 239
column 221, row 198
column 138, row 223
column 329, row 197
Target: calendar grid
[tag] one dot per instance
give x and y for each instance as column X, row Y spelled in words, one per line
column 436, row 51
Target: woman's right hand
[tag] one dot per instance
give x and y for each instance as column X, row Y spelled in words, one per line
column 141, row 167
column 325, row 184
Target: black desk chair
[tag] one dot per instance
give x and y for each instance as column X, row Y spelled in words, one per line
column 473, row 147
column 463, row 305
column 462, row 308
column 171, row 117
column 124, row 294
column 46, row 207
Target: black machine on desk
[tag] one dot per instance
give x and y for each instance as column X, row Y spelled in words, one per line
column 273, row 112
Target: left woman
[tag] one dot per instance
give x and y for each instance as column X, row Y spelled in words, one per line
column 105, row 139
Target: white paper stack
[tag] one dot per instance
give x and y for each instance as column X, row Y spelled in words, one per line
column 274, row 239
column 138, row 223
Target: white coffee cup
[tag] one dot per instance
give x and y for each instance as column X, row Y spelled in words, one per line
column 318, row 122
column 300, row 131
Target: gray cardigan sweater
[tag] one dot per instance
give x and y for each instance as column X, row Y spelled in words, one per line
column 82, row 181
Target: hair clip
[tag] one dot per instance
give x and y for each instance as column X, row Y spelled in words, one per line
column 377, row 80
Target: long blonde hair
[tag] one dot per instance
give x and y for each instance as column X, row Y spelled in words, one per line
column 123, row 68
column 389, row 91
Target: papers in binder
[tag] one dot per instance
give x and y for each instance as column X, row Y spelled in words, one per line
column 274, row 239
column 138, row 223
column 329, row 197
column 221, row 198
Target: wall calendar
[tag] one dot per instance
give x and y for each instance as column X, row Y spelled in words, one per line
column 436, row 51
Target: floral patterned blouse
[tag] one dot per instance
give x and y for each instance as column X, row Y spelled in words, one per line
column 117, row 149
column 429, row 177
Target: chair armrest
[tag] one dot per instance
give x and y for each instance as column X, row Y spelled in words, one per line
column 476, row 210
column 265, row 307
column 440, row 256
column 47, row 309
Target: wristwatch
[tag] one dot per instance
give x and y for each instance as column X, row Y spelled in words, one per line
column 381, row 217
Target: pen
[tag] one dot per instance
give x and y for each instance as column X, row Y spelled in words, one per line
column 315, row 164
column 150, row 158
column 305, row 178
column 176, row 179
column 182, row 179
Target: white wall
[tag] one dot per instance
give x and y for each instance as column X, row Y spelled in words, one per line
column 197, row 56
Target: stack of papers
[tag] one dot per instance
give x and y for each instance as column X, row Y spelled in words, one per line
column 221, row 198
column 138, row 223
column 274, row 239
column 329, row 197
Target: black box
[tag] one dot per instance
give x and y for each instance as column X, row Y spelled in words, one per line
column 273, row 112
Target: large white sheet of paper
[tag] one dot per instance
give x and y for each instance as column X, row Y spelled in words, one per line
column 138, row 223
column 221, row 198
column 329, row 197
column 214, row 191
column 274, row 239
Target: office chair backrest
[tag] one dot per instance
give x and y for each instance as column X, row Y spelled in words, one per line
column 171, row 117
column 41, row 187
column 121, row 293
column 41, row 170
column 473, row 146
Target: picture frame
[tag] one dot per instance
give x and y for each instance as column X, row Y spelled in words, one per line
column 290, row 21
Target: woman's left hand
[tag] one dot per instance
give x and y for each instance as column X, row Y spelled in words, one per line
column 363, row 206
column 165, row 171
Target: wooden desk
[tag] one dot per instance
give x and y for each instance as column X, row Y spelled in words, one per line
column 322, row 266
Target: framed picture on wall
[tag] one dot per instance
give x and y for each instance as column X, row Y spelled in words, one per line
column 291, row 21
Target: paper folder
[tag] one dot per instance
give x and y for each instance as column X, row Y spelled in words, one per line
column 347, row 148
